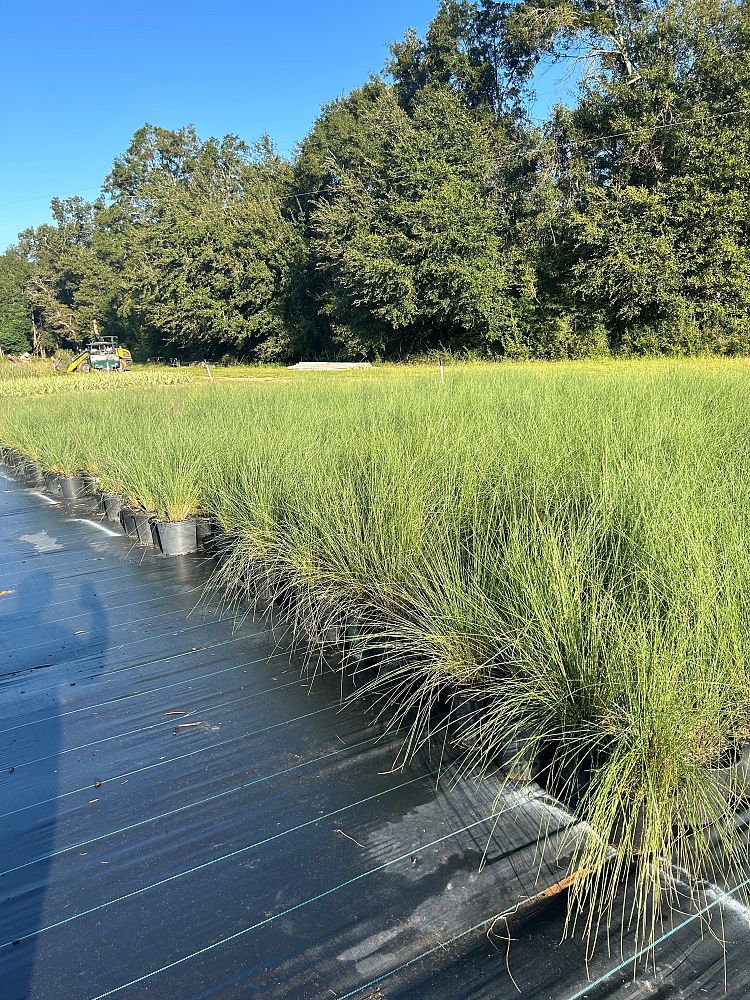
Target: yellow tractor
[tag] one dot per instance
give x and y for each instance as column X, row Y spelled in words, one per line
column 102, row 355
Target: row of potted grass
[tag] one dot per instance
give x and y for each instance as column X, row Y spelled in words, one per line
column 172, row 538
column 561, row 552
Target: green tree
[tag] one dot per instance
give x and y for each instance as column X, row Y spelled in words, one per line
column 69, row 285
column 464, row 51
column 412, row 234
column 647, row 214
column 15, row 312
column 205, row 238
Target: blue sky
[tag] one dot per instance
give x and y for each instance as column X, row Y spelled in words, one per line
column 80, row 77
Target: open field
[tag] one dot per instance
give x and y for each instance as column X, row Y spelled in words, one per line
column 555, row 557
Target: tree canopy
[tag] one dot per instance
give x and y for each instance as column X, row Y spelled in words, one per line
column 426, row 211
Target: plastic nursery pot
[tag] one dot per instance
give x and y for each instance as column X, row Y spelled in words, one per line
column 127, row 519
column 366, row 650
column 33, row 474
column 176, row 538
column 112, row 507
column 206, row 530
column 71, row 488
column 734, row 779
column 144, row 527
column 519, row 763
column 97, row 503
column 52, row 484
column 14, row 462
column 89, row 483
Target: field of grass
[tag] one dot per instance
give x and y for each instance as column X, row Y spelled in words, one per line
column 559, row 553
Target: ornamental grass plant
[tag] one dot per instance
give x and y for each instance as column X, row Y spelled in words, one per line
column 547, row 565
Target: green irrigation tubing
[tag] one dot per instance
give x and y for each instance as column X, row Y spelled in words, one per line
column 129, row 624
column 170, row 760
column 116, row 607
column 299, row 906
column 507, row 913
column 140, row 694
column 425, row 954
column 155, row 725
column 100, row 676
column 190, row 805
column 218, row 860
column 649, row 947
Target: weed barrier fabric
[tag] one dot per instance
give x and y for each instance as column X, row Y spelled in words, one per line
column 182, row 816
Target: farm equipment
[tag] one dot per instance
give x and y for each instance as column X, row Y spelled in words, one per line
column 102, row 355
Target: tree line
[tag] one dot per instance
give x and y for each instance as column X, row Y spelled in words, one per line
column 426, row 211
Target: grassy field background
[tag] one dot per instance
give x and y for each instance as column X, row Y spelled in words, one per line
column 558, row 553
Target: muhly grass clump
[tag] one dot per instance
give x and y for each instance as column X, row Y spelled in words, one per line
column 559, row 556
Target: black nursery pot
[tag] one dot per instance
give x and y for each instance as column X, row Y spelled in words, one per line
column 127, row 519
column 89, row 483
column 33, row 474
column 734, row 779
column 72, row 488
column 112, row 507
column 97, row 503
column 144, row 527
column 206, row 531
column 14, row 462
column 52, row 483
column 177, row 538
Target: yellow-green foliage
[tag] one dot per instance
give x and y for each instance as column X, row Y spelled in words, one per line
column 571, row 542
column 18, row 380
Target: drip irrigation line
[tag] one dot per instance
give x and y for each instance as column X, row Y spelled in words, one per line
column 169, row 760
column 136, row 642
column 223, row 857
column 158, row 635
column 720, row 898
column 90, row 570
column 156, row 725
column 190, row 805
column 61, row 552
column 301, row 905
column 140, row 694
column 14, row 513
column 425, row 954
column 104, row 570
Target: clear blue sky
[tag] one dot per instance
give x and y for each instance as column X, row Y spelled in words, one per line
column 79, row 77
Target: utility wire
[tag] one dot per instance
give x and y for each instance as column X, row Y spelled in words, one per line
column 519, row 146
column 579, row 142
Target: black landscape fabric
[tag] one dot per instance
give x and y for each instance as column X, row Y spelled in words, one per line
column 184, row 816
